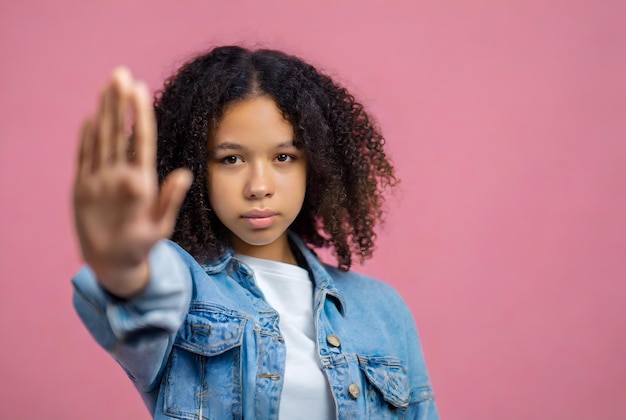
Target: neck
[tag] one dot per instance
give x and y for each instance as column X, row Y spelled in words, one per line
column 279, row 250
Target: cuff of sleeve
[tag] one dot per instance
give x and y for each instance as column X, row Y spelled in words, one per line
column 161, row 306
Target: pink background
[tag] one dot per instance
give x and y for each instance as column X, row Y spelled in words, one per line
column 507, row 123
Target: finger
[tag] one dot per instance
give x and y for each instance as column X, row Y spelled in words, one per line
column 145, row 127
column 123, row 85
column 171, row 198
column 86, row 149
column 103, row 126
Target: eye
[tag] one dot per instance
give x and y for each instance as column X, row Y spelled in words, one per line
column 284, row 157
column 231, row 160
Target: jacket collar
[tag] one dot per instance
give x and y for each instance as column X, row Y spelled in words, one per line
column 324, row 283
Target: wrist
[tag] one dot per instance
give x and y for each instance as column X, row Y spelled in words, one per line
column 125, row 282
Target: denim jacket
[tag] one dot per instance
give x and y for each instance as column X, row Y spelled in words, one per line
column 201, row 342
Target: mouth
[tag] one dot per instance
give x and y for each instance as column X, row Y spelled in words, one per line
column 259, row 214
column 260, row 219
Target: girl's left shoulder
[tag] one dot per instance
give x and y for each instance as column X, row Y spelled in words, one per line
column 355, row 285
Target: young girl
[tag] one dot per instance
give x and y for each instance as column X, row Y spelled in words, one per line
column 258, row 156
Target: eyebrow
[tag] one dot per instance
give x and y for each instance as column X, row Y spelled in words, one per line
column 235, row 146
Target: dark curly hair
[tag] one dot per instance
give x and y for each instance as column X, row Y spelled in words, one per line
column 347, row 172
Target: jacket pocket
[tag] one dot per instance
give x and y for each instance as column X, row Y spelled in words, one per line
column 203, row 376
column 388, row 391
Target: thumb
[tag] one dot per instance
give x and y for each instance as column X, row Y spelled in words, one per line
column 171, row 197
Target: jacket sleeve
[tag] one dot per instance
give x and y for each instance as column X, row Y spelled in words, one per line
column 422, row 404
column 139, row 332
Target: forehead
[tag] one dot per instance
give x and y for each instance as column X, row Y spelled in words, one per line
column 256, row 120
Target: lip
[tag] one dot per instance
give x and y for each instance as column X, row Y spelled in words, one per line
column 260, row 219
column 259, row 214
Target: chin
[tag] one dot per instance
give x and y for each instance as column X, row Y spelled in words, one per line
column 260, row 238
column 260, row 242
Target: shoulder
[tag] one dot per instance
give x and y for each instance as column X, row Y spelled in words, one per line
column 370, row 296
column 197, row 268
column 358, row 284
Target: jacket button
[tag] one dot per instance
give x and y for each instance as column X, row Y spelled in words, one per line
column 333, row 340
column 354, row 391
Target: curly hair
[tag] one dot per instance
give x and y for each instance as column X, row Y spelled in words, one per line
column 348, row 171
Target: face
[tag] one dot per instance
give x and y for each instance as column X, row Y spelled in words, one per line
column 256, row 178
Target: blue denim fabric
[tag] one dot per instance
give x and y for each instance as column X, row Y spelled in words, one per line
column 201, row 342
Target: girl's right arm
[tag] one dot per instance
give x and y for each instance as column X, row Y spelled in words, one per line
column 138, row 332
column 120, row 213
column 133, row 293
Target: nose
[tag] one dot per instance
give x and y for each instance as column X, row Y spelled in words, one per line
column 259, row 183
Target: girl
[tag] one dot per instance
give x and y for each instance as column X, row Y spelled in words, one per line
column 258, row 156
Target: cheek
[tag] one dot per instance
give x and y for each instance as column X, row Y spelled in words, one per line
column 295, row 182
column 217, row 190
column 302, row 180
column 297, row 185
column 220, row 203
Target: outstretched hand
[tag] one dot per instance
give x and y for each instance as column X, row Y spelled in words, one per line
column 120, row 212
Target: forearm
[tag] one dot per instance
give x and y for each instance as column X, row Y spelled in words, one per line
column 138, row 332
column 123, row 283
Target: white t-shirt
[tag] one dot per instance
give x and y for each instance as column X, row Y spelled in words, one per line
column 289, row 290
